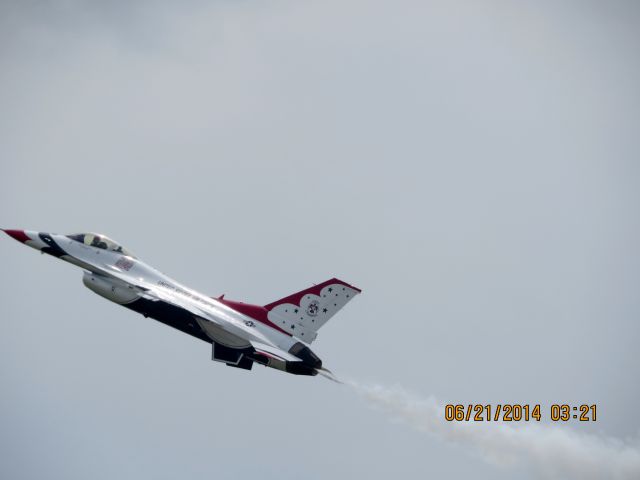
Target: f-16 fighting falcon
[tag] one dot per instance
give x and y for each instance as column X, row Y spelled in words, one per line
column 241, row 334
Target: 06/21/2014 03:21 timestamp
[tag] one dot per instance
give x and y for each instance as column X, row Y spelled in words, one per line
column 518, row 412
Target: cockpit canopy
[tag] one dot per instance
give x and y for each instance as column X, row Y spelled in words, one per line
column 100, row 241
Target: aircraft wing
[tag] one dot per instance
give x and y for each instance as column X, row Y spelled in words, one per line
column 159, row 294
column 156, row 294
column 223, row 316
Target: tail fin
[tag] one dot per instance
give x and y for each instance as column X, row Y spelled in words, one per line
column 303, row 313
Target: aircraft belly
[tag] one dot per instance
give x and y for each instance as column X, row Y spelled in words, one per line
column 170, row 315
column 220, row 335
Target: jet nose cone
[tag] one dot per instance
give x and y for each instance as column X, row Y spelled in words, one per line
column 28, row 237
column 19, row 235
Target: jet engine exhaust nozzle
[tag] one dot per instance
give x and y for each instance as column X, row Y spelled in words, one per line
column 305, row 354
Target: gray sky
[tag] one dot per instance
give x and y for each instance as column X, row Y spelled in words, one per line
column 472, row 166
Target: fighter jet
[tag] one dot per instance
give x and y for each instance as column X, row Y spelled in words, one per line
column 241, row 334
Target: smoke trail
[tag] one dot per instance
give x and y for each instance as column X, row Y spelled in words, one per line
column 554, row 451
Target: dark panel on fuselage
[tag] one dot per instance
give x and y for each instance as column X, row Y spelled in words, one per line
column 52, row 247
column 171, row 315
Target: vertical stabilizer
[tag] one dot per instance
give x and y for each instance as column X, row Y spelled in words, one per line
column 303, row 313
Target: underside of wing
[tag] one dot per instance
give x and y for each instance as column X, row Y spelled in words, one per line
column 273, row 352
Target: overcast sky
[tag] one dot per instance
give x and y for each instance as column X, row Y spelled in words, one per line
column 472, row 166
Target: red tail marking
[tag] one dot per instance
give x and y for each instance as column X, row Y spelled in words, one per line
column 315, row 290
column 256, row 312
